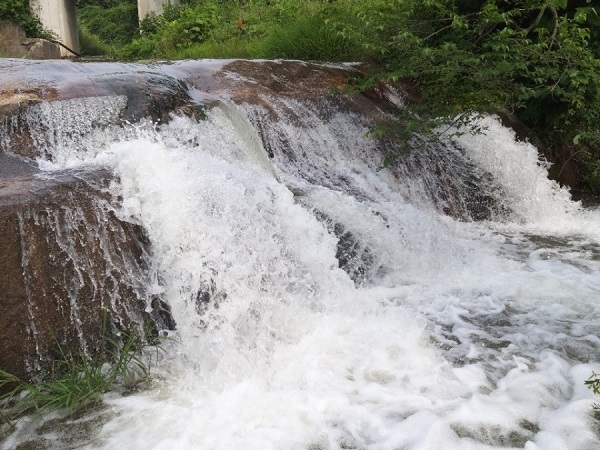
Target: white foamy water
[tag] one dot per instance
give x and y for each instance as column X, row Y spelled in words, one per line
column 535, row 200
column 452, row 335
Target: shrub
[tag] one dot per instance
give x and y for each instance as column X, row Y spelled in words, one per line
column 19, row 12
column 538, row 61
column 306, row 38
column 76, row 381
column 141, row 48
column 91, row 45
column 115, row 25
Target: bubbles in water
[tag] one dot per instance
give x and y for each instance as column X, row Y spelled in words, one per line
column 438, row 334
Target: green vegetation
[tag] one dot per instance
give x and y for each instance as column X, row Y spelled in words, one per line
column 18, row 11
column 593, row 383
column 538, row 60
column 227, row 29
column 76, row 381
column 91, row 44
column 113, row 22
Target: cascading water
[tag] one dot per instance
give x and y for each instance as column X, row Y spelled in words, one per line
column 323, row 304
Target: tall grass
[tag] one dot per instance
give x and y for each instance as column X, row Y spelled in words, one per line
column 310, row 30
column 92, row 45
column 75, row 381
column 308, row 39
column 230, row 48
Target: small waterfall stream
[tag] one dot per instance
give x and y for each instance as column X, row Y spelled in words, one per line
column 322, row 303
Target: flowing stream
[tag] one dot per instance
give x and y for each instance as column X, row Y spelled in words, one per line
column 435, row 333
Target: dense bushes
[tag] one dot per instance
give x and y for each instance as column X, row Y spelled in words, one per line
column 18, row 11
column 114, row 24
column 213, row 28
column 536, row 59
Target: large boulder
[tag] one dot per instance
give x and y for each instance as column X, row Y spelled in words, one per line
column 15, row 44
column 70, row 271
column 68, row 263
column 53, row 104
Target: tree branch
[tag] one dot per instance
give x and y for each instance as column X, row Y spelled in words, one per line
column 437, row 32
column 536, row 21
column 555, row 28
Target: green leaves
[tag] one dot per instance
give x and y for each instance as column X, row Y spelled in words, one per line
column 557, row 3
column 593, row 383
column 19, row 12
column 587, row 14
column 538, row 59
column 76, row 381
column 115, row 24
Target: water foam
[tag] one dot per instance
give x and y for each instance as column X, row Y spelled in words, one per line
column 461, row 335
column 535, row 201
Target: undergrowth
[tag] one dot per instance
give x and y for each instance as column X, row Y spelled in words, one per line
column 91, row 45
column 75, row 382
column 593, row 383
column 19, row 12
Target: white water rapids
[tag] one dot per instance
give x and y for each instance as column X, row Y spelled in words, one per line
column 456, row 335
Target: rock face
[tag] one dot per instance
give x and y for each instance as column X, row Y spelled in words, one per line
column 37, row 116
column 68, row 264
column 67, row 260
column 14, row 44
column 70, row 269
column 300, row 92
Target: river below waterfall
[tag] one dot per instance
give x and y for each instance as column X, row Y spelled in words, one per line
column 436, row 333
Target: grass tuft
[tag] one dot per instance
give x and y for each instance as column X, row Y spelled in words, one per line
column 91, row 44
column 231, row 48
column 306, row 39
column 76, row 382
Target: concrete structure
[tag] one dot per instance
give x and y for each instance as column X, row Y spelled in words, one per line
column 155, row 6
column 59, row 17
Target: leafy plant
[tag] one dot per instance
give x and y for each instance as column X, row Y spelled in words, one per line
column 593, row 383
column 19, row 12
column 116, row 24
column 76, row 381
column 141, row 48
column 536, row 59
column 305, row 39
column 90, row 44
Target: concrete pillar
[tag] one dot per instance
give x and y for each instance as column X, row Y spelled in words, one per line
column 59, row 17
column 156, row 6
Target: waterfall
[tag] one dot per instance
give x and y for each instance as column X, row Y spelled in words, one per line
column 447, row 302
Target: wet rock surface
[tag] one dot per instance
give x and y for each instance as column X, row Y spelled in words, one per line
column 65, row 256
column 70, row 269
column 305, row 90
column 38, row 99
column 323, row 88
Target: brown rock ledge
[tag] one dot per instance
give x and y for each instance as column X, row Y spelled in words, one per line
column 65, row 258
